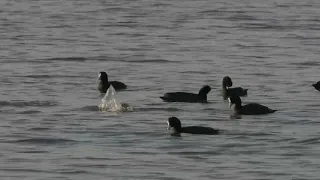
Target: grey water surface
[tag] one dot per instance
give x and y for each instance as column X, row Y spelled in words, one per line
column 52, row 51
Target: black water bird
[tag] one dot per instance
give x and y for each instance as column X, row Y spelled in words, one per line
column 228, row 92
column 317, row 85
column 174, row 125
column 249, row 109
column 104, row 83
column 201, row 97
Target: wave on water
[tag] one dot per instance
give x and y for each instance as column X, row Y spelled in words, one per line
column 313, row 140
column 169, row 109
column 143, row 109
column 77, row 59
column 308, row 63
column 110, row 103
column 45, row 76
column 90, row 108
column 150, row 61
column 28, row 103
column 137, row 59
column 44, row 141
column 29, row 112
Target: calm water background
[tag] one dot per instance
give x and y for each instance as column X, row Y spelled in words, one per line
column 51, row 52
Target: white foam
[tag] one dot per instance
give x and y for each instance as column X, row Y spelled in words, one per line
column 110, row 103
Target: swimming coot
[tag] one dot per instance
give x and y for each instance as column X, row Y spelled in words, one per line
column 227, row 91
column 104, row 83
column 174, row 125
column 188, row 97
column 317, row 85
column 248, row 109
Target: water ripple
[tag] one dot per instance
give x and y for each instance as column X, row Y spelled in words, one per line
column 47, row 141
column 76, row 59
column 28, row 103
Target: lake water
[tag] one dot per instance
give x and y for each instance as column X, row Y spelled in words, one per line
column 52, row 51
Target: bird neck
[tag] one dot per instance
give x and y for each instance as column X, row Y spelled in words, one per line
column 238, row 106
column 177, row 129
column 203, row 96
column 224, row 85
column 105, row 80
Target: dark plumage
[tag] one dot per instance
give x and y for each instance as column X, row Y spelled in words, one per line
column 317, row 85
column 201, row 97
column 248, row 109
column 228, row 92
column 175, row 125
column 104, row 83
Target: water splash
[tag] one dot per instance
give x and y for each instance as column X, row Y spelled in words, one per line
column 110, row 103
